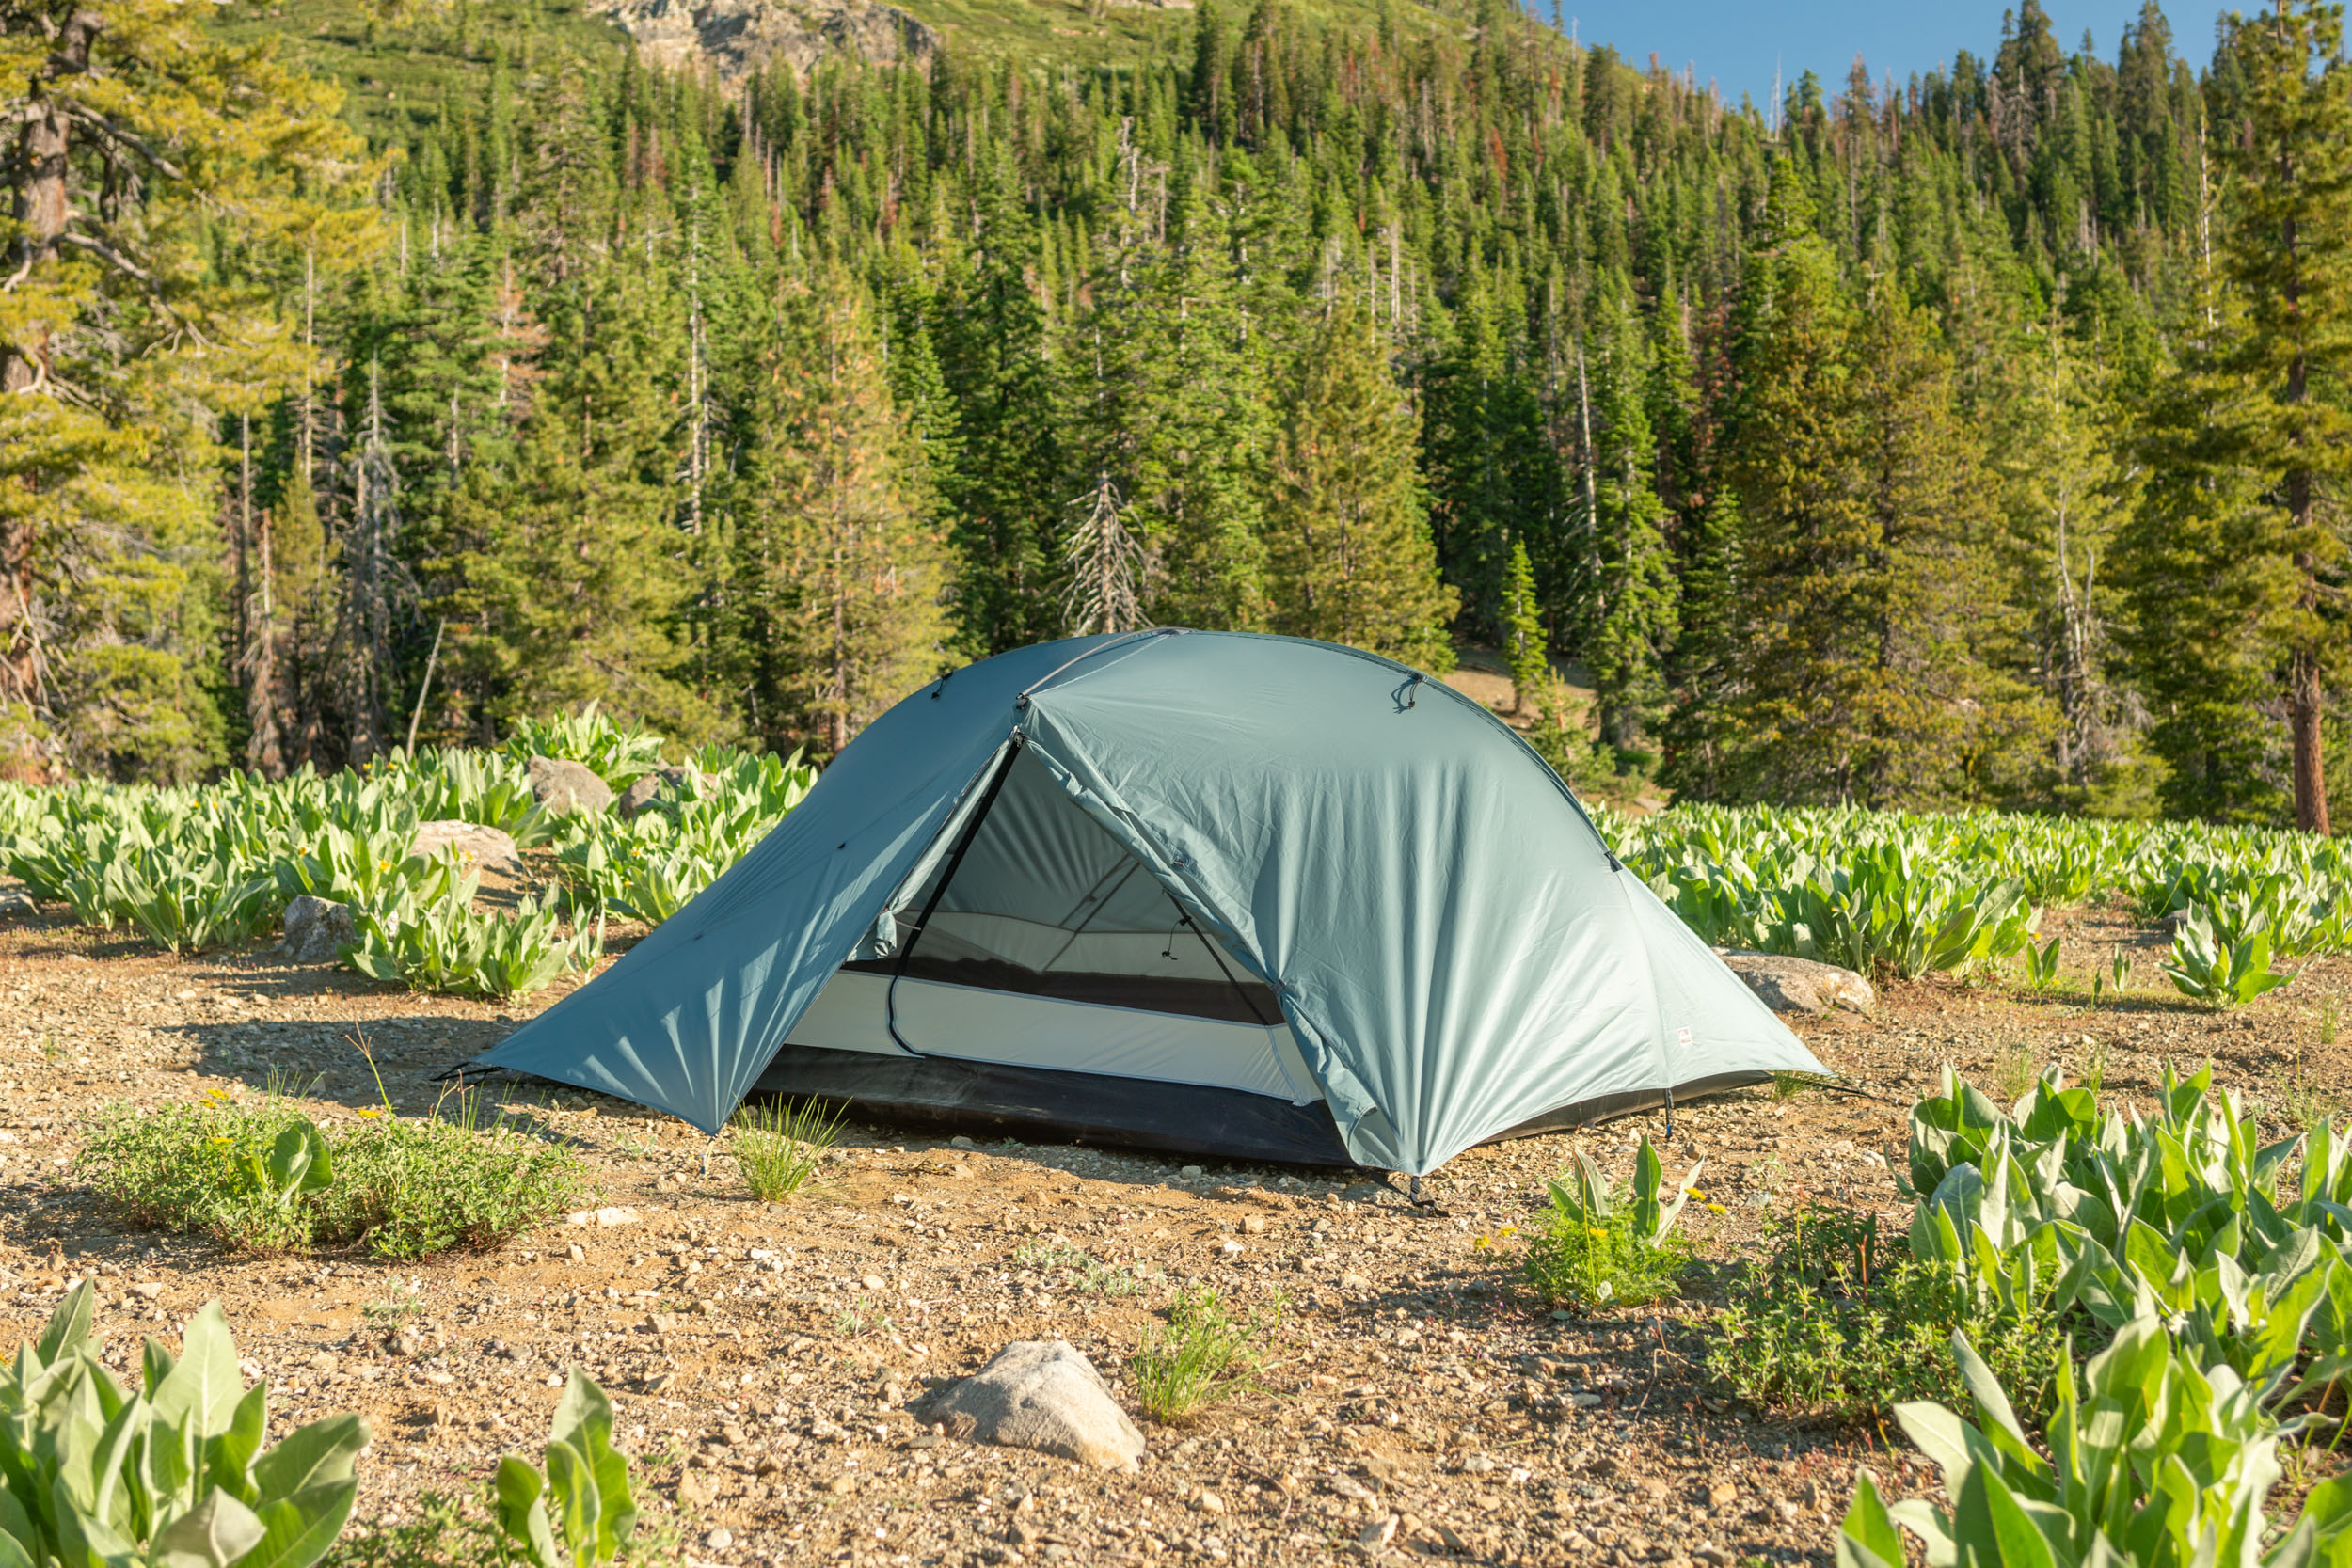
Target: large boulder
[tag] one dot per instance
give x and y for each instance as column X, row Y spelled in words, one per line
column 478, row 848
column 1042, row 1394
column 315, row 930
column 563, row 786
column 1789, row 985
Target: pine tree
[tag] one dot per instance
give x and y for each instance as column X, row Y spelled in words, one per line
column 1349, row 558
column 1525, row 647
column 842, row 580
column 1633, row 615
column 2290, row 252
column 123, row 319
column 1105, row 566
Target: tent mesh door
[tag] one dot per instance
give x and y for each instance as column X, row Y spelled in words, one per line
column 1046, row 903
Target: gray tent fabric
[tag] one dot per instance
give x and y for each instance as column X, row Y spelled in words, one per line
column 1452, row 944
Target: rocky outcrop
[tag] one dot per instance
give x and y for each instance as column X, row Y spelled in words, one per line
column 734, row 38
column 1042, row 1394
column 1788, row 985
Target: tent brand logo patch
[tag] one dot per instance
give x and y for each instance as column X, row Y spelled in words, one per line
column 1682, row 1035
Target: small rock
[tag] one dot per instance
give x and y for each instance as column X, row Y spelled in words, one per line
column 720, row 1539
column 1209, row 1502
column 150, row 1289
column 1228, row 1247
column 1722, row 1495
column 675, row 782
column 960, row 1142
column 873, row 1282
column 317, row 929
column 1042, row 1394
column 477, row 847
column 603, row 1219
column 1378, row 1534
column 322, row 1362
column 563, row 787
column 17, row 906
column 1190, row 1173
column 1788, row 985
column 577, row 1253
column 1355, row 1284
column 1253, row 1225
column 1654, row 1491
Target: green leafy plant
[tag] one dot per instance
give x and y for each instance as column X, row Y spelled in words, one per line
column 619, row 754
column 2154, row 1460
column 2211, row 968
column 174, row 1474
column 1593, row 1247
column 262, row 1176
column 2042, row 965
column 779, row 1146
column 1204, row 1355
column 444, row 945
column 579, row 1510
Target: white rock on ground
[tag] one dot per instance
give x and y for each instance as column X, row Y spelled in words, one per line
column 1042, row 1394
column 315, row 927
column 563, row 787
column 481, row 849
column 1788, row 985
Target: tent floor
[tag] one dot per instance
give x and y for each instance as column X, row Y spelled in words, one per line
column 1040, row 1105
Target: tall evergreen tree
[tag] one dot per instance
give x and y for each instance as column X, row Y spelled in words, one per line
column 1348, row 555
column 841, row 579
column 2290, row 252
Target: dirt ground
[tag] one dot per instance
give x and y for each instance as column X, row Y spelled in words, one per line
column 1419, row 1406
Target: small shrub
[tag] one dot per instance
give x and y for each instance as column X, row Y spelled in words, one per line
column 171, row 1473
column 263, row 1176
column 1204, row 1355
column 1839, row 1322
column 779, row 1146
column 1593, row 1248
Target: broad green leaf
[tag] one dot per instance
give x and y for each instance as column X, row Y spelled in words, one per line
column 68, row 1325
column 523, row 1511
column 214, row 1533
column 314, row 1455
column 299, row 1529
column 205, row 1382
column 1868, row 1538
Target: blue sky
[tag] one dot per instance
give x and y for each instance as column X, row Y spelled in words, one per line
column 1737, row 42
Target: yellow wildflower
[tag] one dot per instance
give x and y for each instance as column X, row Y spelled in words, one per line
column 1717, row 1209
column 371, row 1111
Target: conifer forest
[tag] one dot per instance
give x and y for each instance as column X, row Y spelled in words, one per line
column 386, row 376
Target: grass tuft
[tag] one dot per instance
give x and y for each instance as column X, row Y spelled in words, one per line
column 779, row 1146
column 1203, row 1355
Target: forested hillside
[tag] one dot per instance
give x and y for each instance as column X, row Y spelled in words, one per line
column 1974, row 438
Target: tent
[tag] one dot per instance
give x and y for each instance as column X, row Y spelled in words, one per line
column 1240, row 895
